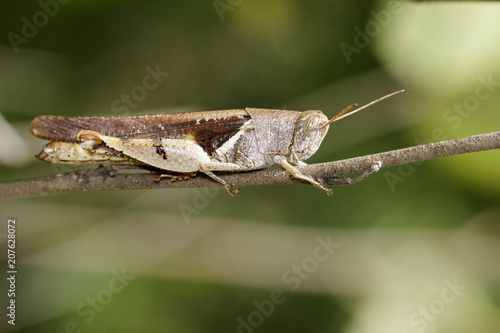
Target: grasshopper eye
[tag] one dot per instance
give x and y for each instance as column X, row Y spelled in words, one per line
column 311, row 124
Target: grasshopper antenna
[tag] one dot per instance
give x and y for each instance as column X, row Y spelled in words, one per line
column 343, row 113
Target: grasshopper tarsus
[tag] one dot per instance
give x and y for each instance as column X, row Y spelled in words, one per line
column 229, row 187
column 232, row 191
column 328, row 191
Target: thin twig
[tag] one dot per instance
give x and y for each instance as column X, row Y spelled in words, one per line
column 100, row 179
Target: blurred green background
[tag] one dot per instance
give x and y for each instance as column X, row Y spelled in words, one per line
column 410, row 249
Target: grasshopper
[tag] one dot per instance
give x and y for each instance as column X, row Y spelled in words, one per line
column 207, row 142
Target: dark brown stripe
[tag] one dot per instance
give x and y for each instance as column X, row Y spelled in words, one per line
column 178, row 125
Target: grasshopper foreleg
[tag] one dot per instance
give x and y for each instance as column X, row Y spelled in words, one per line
column 297, row 174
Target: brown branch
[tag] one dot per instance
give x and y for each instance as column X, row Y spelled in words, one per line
column 100, row 179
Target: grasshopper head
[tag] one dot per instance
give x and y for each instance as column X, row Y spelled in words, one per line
column 310, row 129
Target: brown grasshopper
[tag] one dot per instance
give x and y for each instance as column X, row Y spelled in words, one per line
column 229, row 140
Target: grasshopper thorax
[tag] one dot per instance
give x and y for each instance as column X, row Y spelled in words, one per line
column 308, row 134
